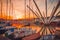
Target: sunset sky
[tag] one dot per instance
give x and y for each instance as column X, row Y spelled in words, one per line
column 19, row 7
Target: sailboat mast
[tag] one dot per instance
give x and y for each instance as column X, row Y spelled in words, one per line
column 53, row 13
column 9, row 8
column 6, row 8
column 38, row 11
column 25, row 8
column 12, row 8
column 29, row 10
column 33, row 11
column 1, row 8
column 46, row 9
column 55, row 16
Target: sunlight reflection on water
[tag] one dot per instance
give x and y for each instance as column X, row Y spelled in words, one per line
column 33, row 27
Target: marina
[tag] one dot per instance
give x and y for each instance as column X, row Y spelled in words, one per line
column 25, row 20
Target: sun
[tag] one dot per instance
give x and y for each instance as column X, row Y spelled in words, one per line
column 18, row 15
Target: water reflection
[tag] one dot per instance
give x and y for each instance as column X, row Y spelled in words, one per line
column 49, row 29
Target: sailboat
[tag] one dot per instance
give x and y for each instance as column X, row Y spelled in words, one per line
column 45, row 20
